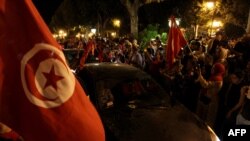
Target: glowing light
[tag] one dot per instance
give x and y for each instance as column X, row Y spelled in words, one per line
column 116, row 23
column 62, row 34
column 210, row 5
column 177, row 20
column 216, row 24
column 93, row 30
column 113, row 34
column 55, row 35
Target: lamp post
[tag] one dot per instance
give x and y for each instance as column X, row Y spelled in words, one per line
column 117, row 25
column 210, row 5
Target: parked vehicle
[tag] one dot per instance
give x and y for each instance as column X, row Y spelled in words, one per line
column 134, row 107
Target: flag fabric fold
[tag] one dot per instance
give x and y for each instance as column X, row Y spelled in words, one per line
column 175, row 42
column 40, row 98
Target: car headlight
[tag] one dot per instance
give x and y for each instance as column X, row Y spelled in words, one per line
column 214, row 137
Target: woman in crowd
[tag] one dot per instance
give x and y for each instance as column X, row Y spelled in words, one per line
column 209, row 99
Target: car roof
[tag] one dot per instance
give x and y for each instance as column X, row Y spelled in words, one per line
column 107, row 71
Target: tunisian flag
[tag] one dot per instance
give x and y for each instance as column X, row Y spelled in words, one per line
column 175, row 42
column 39, row 96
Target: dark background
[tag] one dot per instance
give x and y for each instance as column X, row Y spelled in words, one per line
column 47, row 8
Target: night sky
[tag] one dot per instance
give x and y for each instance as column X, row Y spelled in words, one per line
column 47, row 8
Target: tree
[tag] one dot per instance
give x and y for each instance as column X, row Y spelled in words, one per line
column 235, row 12
column 96, row 13
column 234, row 31
column 132, row 7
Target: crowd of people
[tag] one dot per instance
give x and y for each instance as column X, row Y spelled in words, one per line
column 210, row 76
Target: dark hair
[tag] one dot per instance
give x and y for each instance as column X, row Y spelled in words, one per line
column 239, row 73
column 219, row 33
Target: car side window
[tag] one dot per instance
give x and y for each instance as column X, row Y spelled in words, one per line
column 105, row 97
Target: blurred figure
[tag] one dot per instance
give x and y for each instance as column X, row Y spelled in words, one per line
column 213, row 43
column 243, row 105
column 136, row 58
column 209, row 100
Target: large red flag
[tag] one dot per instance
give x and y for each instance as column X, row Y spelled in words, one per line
column 39, row 96
column 175, row 41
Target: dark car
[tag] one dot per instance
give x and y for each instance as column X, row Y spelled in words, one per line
column 133, row 107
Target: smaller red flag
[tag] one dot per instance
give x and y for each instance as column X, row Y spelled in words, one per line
column 175, row 41
column 90, row 48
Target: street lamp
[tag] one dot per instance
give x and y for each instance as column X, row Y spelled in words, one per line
column 177, row 20
column 62, row 34
column 214, row 25
column 93, row 30
column 210, row 5
column 117, row 23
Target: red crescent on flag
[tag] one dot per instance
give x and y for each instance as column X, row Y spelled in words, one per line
column 46, row 78
column 31, row 68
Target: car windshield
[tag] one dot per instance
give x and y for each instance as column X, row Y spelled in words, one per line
column 134, row 93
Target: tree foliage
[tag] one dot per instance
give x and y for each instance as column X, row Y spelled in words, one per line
column 85, row 12
column 234, row 31
column 236, row 11
column 149, row 33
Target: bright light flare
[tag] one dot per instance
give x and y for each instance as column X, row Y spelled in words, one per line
column 210, row 5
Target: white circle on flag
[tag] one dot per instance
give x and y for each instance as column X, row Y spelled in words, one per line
column 47, row 80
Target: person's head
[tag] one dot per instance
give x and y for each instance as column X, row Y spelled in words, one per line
column 195, row 45
column 236, row 76
column 232, row 42
column 152, row 42
column 218, row 36
column 128, row 44
column 222, row 52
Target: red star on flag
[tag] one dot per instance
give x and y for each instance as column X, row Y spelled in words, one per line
column 51, row 78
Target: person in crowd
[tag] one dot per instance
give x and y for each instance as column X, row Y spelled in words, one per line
column 246, row 70
column 221, row 56
column 207, row 66
column 127, row 51
column 152, row 47
column 155, row 66
column 135, row 57
column 213, row 43
column 243, row 50
column 231, row 45
column 121, row 44
column 148, row 56
column 208, row 100
column 158, row 41
column 243, row 107
column 229, row 96
column 173, row 79
column 190, row 89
